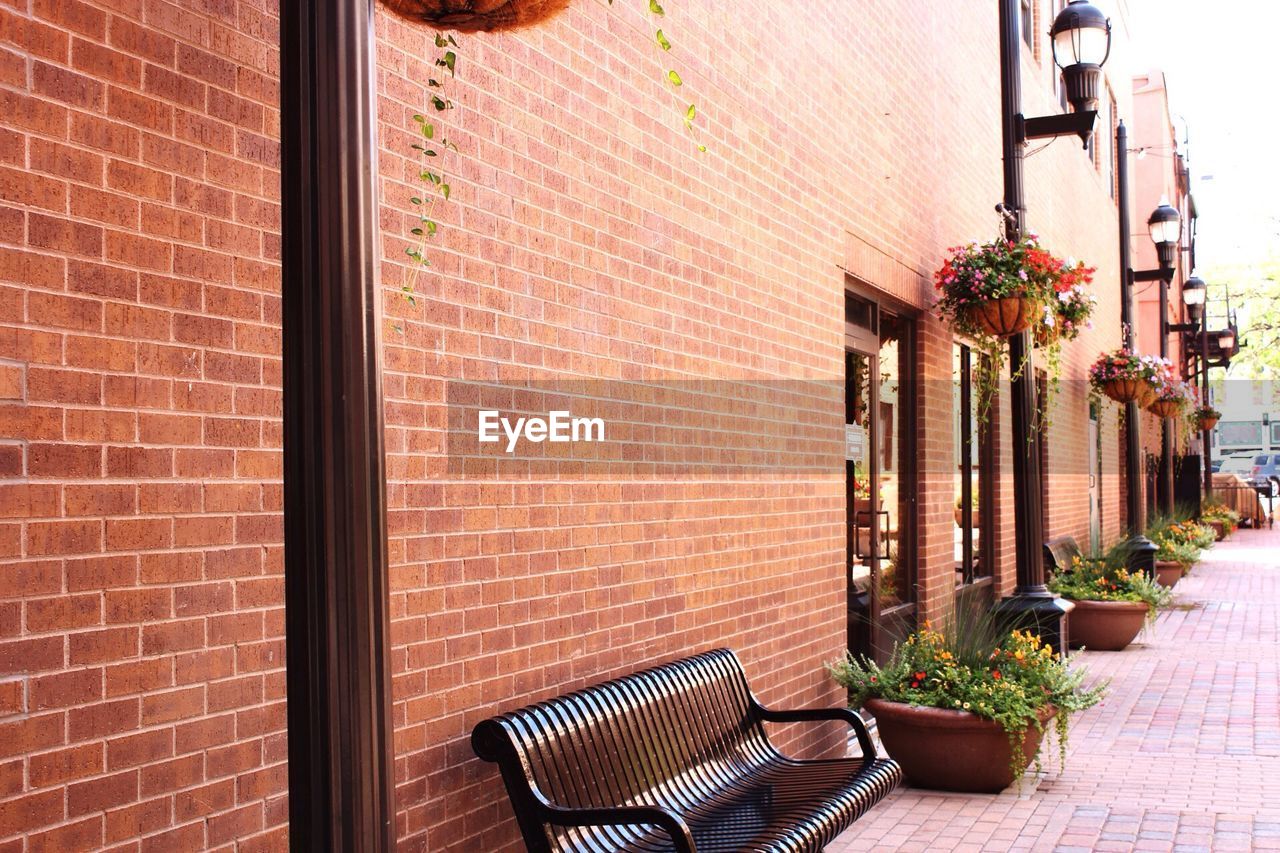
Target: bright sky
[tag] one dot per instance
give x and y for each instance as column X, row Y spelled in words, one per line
column 1220, row 62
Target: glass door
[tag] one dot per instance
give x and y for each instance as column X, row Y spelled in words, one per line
column 880, row 494
column 863, row 547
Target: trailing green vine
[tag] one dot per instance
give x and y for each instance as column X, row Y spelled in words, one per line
column 430, row 147
column 673, row 76
column 433, row 145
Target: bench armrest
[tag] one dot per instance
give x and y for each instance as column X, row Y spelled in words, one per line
column 806, row 715
column 667, row 820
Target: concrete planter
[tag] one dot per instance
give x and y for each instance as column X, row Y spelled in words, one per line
column 953, row 750
column 1105, row 626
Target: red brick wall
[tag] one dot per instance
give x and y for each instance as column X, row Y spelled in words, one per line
column 141, row 628
column 141, row 689
column 869, row 162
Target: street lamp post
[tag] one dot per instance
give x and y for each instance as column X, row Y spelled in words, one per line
column 1166, row 230
column 1142, row 551
column 1193, row 299
column 1081, row 43
column 1193, row 293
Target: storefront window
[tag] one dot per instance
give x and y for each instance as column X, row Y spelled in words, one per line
column 897, row 582
column 972, row 449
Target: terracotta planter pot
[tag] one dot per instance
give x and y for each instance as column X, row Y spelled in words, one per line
column 477, row 15
column 1126, row 390
column 1105, row 626
column 1219, row 529
column 1168, row 573
column 952, row 750
column 1165, row 408
column 1003, row 317
column 1206, row 424
column 959, row 516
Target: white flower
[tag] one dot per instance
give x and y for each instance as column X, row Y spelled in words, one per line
column 1049, row 319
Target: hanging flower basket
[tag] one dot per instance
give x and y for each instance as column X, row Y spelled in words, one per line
column 996, row 289
column 477, row 15
column 1128, row 390
column 1003, row 317
column 1206, row 418
column 991, row 291
column 1172, row 397
column 1127, row 377
column 1165, row 408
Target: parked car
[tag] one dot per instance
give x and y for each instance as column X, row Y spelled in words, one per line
column 1240, row 464
column 1266, row 470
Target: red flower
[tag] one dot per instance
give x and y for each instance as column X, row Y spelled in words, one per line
column 996, row 675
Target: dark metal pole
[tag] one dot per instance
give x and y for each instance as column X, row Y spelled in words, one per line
column 1132, row 428
column 1166, row 426
column 1142, row 549
column 1206, row 436
column 336, row 600
column 1032, row 603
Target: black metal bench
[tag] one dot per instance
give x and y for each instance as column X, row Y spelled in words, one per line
column 1059, row 551
column 675, row 758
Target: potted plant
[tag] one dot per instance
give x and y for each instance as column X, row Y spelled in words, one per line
column 976, row 511
column 1179, row 544
column 1221, row 518
column 1206, row 418
column 1112, row 604
column 965, row 708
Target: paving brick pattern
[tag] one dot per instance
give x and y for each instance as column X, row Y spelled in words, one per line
column 1182, row 756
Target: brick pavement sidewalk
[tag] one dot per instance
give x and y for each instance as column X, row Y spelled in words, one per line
column 1183, row 755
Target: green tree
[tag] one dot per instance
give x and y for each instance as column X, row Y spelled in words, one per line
column 1253, row 290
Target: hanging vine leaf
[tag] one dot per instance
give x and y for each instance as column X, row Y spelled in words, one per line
column 661, row 38
column 674, row 78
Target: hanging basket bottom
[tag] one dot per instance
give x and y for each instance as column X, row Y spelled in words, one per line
column 472, row 16
column 1003, row 317
column 1165, row 408
column 1126, row 390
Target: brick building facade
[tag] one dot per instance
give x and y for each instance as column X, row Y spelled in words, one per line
column 142, row 686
